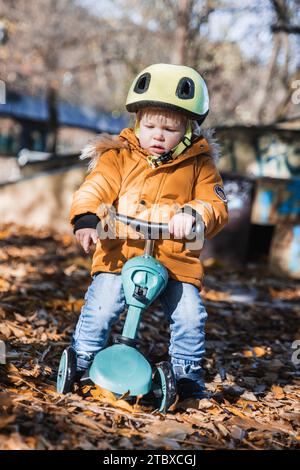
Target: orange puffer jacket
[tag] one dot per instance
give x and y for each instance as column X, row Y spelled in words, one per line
column 121, row 177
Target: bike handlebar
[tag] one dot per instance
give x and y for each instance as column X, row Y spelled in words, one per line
column 150, row 228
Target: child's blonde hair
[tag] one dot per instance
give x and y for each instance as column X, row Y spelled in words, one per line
column 165, row 113
column 162, row 114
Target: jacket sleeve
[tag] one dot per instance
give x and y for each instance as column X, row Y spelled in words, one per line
column 209, row 198
column 100, row 188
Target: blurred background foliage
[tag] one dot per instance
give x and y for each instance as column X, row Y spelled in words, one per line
column 87, row 51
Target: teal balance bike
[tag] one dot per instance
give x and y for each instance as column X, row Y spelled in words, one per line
column 121, row 368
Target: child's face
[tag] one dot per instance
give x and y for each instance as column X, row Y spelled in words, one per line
column 160, row 131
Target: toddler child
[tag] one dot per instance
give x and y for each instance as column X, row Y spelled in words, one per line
column 162, row 170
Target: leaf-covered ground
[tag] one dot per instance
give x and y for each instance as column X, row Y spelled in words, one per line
column 253, row 322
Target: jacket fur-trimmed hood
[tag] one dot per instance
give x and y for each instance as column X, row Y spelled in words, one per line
column 103, row 142
column 100, row 144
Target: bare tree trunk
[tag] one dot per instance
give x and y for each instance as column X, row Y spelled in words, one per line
column 282, row 108
column 286, row 49
column 281, row 41
column 182, row 31
column 51, row 144
column 188, row 20
column 269, row 77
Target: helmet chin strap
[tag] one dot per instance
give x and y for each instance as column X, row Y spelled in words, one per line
column 155, row 161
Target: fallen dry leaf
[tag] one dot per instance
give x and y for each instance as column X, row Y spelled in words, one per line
column 247, row 366
column 278, row 392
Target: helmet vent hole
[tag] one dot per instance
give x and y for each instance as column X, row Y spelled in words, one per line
column 142, row 83
column 185, row 89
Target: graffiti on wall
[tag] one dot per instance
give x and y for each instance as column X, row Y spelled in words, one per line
column 276, row 158
column 267, row 155
column 285, row 250
column 276, row 201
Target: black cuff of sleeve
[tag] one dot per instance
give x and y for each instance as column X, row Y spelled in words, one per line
column 87, row 220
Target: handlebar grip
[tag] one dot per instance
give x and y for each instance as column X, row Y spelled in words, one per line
column 153, row 228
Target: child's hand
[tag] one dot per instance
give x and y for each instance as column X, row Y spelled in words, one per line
column 86, row 236
column 181, row 225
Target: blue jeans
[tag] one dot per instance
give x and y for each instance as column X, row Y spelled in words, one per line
column 181, row 302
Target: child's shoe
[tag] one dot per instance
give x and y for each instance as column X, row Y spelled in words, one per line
column 189, row 378
column 82, row 377
column 188, row 388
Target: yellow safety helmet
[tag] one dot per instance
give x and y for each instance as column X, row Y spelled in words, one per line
column 170, row 86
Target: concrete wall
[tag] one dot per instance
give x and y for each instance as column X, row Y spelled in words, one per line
column 43, row 200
